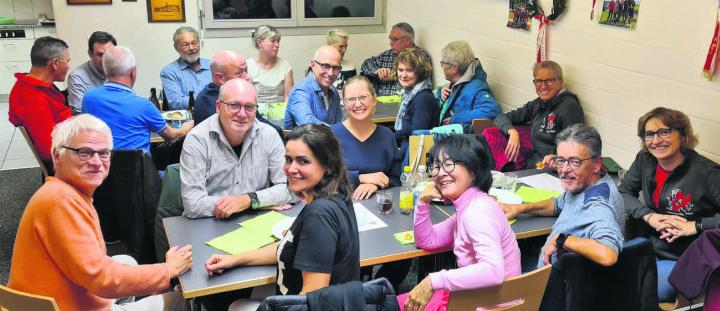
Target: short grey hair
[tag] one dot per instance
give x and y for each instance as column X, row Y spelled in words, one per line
column 118, row 61
column 45, row 49
column 263, row 32
column 582, row 134
column 335, row 35
column 66, row 130
column 183, row 30
column 406, row 28
column 459, row 53
column 550, row 65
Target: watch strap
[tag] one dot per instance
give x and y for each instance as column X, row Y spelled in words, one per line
column 254, row 202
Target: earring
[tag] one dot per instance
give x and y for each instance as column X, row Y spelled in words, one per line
column 327, row 173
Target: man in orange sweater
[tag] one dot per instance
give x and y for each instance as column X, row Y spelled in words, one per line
column 59, row 250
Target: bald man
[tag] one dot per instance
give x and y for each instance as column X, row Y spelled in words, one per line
column 315, row 100
column 231, row 161
column 224, row 66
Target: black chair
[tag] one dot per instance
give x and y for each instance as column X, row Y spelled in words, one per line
column 377, row 294
column 577, row 283
column 169, row 205
column 127, row 200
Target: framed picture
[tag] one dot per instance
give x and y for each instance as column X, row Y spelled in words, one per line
column 166, row 11
column 72, row 2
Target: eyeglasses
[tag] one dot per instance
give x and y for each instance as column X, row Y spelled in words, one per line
column 575, row 163
column 662, row 133
column 362, row 98
column 186, row 45
column 326, row 67
column 393, row 40
column 444, row 63
column 448, row 166
column 234, row 108
column 66, row 60
column 547, row 82
column 85, row 153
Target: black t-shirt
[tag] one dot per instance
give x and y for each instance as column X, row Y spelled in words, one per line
column 323, row 238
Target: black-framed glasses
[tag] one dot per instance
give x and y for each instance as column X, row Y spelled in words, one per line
column 662, row 133
column 448, row 166
column 327, row 67
column 548, row 82
column 186, row 45
column 85, row 153
column 234, row 108
column 575, row 163
column 352, row 100
column 444, row 63
column 393, row 40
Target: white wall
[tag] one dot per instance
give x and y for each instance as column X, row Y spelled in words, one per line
column 152, row 43
column 618, row 74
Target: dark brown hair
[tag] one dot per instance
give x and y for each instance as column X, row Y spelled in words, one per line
column 676, row 120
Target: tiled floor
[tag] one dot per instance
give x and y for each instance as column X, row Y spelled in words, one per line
column 14, row 150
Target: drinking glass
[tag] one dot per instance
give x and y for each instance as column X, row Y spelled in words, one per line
column 384, row 201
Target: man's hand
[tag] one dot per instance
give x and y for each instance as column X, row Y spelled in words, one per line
column 419, row 296
column 231, row 204
column 513, row 146
column 549, row 249
column 364, row 191
column 187, row 126
column 178, row 260
column 511, row 210
column 384, row 74
column 445, row 92
column 656, row 220
column 379, row 179
column 672, row 229
column 548, row 161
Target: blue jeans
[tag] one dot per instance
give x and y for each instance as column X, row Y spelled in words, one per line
column 666, row 293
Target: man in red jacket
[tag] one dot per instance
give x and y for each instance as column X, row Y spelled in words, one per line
column 34, row 101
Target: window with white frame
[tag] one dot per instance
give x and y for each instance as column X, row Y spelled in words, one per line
column 229, row 14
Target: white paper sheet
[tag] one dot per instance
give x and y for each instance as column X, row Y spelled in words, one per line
column 366, row 220
column 543, row 181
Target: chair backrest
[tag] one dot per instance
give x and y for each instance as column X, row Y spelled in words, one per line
column 526, row 289
column 41, row 162
column 478, row 125
column 169, row 205
column 13, row 300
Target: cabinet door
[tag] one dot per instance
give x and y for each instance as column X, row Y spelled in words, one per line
column 7, row 74
column 15, row 50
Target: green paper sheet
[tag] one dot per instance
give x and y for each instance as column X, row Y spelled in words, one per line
column 512, row 221
column 406, row 237
column 532, row 195
column 264, row 223
column 240, row 240
column 391, row 99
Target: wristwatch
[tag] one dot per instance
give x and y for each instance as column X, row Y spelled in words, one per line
column 254, row 202
column 698, row 226
column 560, row 242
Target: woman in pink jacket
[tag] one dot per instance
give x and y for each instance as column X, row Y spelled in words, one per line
column 479, row 233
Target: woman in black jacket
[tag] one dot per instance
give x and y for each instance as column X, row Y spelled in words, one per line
column 680, row 189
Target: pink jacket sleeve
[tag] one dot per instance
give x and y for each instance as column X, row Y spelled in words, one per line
column 429, row 236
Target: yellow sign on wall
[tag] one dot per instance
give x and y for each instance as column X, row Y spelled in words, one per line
column 166, row 11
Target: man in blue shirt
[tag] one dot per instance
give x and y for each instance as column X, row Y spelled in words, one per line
column 129, row 116
column 315, row 100
column 188, row 73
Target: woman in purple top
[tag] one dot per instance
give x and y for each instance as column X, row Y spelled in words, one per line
column 479, row 233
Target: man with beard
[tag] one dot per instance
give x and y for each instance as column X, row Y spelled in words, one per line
column 590, row 211
column 188, row 73
column 314, row 100
column 231, row 161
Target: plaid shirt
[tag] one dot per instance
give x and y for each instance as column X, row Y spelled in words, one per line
column 384, row 60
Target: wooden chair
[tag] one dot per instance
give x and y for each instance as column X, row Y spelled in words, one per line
column 478, row 125
column 45, row 170
column 13, row 300
column 527, row 288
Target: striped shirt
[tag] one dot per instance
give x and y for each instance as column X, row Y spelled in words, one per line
column 210, row 169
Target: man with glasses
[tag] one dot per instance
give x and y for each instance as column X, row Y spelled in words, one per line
column 35, row 102
column 231, row 162
column 59, row 238
column 315, row 100
column 129, row 116
column 590, row 211
column 379, row 68
column 90, row 74
column 188, row 73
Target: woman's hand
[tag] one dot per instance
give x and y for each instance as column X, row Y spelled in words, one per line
column 419, row 296
column 547, row 161
column 429, row 193
column 364, row 191
column 513, row 146
column 445, row 92
column 217, row 263
column 379, row 179
column 656, row 221
column 672, row 229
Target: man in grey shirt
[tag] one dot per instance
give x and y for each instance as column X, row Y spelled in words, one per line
column 591, row 208
column 90, row 74
column 231, row 161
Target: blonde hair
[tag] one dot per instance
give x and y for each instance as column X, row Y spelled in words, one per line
column 263, row 32
column 335, row 35
column 459, row 53
column 66, row 130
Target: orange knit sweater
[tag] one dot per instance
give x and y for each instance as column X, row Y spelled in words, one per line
column 60, row 252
